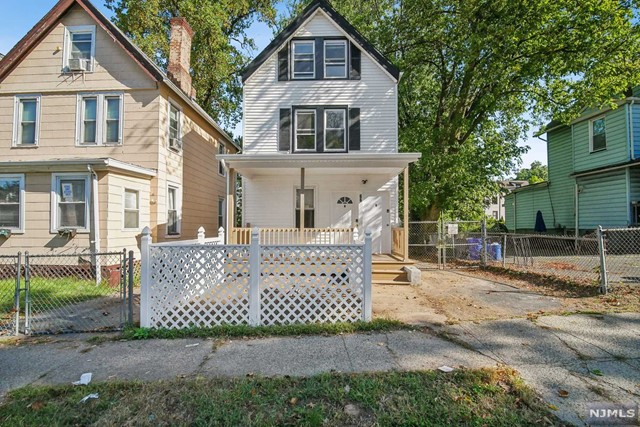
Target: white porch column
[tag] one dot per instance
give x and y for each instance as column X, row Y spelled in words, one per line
column 405, row 220
column 231, row 203
column 302, row 205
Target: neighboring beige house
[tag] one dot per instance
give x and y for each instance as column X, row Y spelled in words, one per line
column 494, row 207
column 96, row 142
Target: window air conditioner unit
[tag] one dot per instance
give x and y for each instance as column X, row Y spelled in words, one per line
column 175, row 143
column 78, row 64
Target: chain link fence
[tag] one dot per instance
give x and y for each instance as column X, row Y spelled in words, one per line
column 606, row 258
column 82, row 292
column 622, row 255
column 9, row 283
column 568, row 258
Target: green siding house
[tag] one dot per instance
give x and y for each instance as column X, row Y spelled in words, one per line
column 594, row 174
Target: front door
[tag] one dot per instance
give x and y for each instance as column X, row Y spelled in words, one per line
column 344, row 210
column 374, row 215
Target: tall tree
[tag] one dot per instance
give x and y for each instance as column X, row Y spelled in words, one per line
column 534, row 174
column 478, row 74
column 220, row 48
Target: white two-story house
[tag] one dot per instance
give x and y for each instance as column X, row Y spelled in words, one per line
column 320, row 133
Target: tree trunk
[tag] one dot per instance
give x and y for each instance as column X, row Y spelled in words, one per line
column 431, row 213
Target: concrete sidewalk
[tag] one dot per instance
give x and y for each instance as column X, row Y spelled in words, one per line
column 553, row 353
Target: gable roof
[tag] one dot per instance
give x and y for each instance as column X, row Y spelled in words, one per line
column 290, row 30
column 15, row 56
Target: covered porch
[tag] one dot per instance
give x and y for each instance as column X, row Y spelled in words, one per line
column 320, row 198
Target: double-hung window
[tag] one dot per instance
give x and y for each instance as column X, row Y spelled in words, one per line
column 100, row 118
column 303, row 58
column 131, row 209
column 221, row 150
column 598, row 134
column 79, row 48
column 335, row 134
column 335, row 59
column 173, row 210
column 175, row 135
column 26, row 126
column 305, row 130
column 12, row 202
column 70, row 198
column 309, row 208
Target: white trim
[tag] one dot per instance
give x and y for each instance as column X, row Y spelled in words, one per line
column 222, row 212
column 295, row 129
column 21, row 202
column 101, row 119
column 313, row 60
column 172, row 103
column 17, row 119
column 601, row 117
column 124, row 208
column 346, row 58
column 178, row 209
column 67, row 45
column 55, row 181
column 344, row 135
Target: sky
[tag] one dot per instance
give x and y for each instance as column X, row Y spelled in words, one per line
column 18, row 18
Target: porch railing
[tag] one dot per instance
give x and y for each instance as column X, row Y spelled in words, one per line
column 295, row 236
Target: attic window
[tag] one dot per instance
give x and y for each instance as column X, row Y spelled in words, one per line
column 79, row 48
column 303, row 55
column 598, row 134
column 335, row 59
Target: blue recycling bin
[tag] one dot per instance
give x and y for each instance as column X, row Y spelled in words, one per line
column 475, row 248
column 495, row 251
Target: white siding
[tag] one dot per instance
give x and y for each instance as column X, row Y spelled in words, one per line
column 269, row 199
column 375, row 94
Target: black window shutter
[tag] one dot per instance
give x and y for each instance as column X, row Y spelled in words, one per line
column 320, row 129
column 355, row 62
column 284, row 139
column 283, row 63
column 354, row 129
column 319, row 58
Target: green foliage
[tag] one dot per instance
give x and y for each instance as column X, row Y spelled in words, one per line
column 220, row 47
column 230, row 331
column 479, row 74
column 536, row 173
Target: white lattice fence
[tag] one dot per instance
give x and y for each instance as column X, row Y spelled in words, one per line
column 310, row 284
column 206, row 285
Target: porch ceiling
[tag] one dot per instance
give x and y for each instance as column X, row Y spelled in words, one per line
column 390, row 164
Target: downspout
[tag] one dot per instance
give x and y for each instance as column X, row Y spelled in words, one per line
column 577, row 206
column 94, row 230
column 632, row 153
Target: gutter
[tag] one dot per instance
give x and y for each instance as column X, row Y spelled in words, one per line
column 631, row 140
column 94, row 230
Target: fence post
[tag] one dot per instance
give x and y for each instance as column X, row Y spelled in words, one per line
column 145, row 279
column 604, row 285
column 16, row 302
column 254, row 278
column 130, row 290
column 221, row 235
column 27, row 299
column 368, row 261
column 201, row 235
column 504, row 251
column 484, row 242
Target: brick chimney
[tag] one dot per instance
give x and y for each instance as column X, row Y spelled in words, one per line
column 180, row 55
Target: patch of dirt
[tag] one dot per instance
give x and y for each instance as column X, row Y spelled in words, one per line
column 575, row 297
column 451, row 297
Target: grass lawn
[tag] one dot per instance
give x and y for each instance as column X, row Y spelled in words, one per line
column 232, row 331
column 62, row 291
column 431, row 398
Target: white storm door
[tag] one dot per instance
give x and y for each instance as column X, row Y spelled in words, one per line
column 374, row 215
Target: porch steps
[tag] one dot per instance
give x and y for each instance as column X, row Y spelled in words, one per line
column 389, row 271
